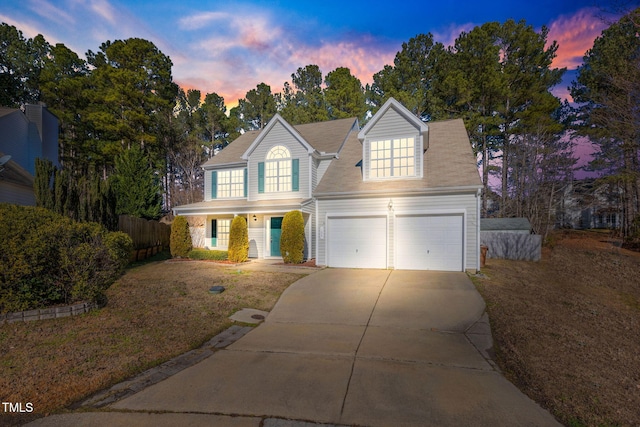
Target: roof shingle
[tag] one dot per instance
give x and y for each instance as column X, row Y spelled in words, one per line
column 324, row 137
column 448, row 162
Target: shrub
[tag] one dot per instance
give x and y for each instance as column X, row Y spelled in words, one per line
column 213, row 255
column 238, row 240
column 292, row 238
column 120, row 246
column 180, row 243
column 50, row 259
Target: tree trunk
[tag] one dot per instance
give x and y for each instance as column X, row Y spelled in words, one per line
column 485, row 175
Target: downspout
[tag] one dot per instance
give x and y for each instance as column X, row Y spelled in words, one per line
column 478, row 198
column 316, row 238
column 310, row 162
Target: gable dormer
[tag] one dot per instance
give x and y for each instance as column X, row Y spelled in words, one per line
column 393, row 144
column 279, row 161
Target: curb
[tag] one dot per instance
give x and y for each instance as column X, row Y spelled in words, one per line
column 161, row 372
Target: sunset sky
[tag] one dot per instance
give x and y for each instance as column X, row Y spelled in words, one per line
column 228, row 47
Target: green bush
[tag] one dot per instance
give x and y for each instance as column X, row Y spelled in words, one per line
column 180, row 243
column 292, row 238
column 205, row 254
column 238, row 240
column 49, row 259
column 119, row 245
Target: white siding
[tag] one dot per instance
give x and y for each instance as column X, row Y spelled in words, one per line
column 308, row 211
column 256, row 236
column 322, row 168
column 314, row 173
column 391, row 124
column 279, row 135
column 207, row 185
column 464, row 204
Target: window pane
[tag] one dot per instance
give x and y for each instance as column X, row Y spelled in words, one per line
column 223, row 232
column 392, row 157
column 231, row 183
column 278, row 176
column 278, row 152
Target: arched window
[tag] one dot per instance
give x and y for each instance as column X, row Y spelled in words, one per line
column 278, row 169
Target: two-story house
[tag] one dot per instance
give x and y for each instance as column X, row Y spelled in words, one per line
column 25, row 136
column 398, row 193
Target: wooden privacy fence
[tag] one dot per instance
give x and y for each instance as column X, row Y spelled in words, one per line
column 149, row 236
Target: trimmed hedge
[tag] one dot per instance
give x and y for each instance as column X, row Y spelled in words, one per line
column 292, row 237
column 238, row 240
column 180, row 243
column 49, row 259
column 205, row 254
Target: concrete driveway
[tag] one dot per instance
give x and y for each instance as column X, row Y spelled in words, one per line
column 345, row 347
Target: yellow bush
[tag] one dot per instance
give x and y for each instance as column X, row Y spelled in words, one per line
column 180, row 243
column 238, row 240
column 292, row 238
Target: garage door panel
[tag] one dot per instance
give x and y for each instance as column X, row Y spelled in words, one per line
column 429, row 242
column 357, row 242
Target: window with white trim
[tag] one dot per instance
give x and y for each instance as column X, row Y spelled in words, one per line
column 277, row 174
column 223, row 232
column 392, row 158
column 231, row 183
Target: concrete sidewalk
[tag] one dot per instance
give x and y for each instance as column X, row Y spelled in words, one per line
column 344, row 347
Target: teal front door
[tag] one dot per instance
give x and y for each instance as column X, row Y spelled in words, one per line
column 276, row 231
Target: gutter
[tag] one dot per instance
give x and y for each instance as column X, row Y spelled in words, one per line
column 422, row 191
column 223, row 165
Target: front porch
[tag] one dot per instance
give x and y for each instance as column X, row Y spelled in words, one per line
column 211, row 231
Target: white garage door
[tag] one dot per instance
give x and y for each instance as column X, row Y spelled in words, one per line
column 429, row 242
column 357, row 242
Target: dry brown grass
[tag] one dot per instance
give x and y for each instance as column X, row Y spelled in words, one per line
column 567, row 329
column 154, row 312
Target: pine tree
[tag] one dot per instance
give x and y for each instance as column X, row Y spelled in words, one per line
column 136, row 186
column 43, row 183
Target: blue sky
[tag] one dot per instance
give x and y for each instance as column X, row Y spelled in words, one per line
column 228, row 47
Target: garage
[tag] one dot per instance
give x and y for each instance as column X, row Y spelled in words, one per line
column 357, row 242
column 429, row 242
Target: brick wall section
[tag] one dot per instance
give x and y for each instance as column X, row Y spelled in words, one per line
column 47, row 313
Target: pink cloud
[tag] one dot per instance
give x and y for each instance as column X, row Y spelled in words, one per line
column 200, row 20
column 363, row 60
column 232, row 77
column 104, row 9
column 575, row 35
column 50, row 11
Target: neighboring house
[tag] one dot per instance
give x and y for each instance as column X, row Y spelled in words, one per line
column 25, row 136
column 506, row 225
column 16, row 184
column 399, row 193
column 585, row 204
column 510, row 238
